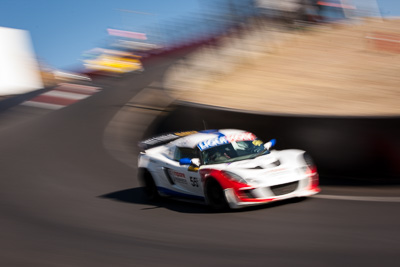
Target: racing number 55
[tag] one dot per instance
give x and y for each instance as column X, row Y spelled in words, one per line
column 194, row 181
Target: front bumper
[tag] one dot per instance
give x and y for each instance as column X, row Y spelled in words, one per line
column 236, row 202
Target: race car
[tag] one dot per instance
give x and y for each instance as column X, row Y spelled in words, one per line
column 226, row 168
column 115, row 63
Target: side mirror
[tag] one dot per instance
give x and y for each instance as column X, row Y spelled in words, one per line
column 188, row 161
column 270, row 144
column 185, row 161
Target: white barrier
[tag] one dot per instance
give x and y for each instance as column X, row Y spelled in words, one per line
column 19, row 70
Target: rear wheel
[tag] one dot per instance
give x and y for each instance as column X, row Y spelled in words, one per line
column 149, row 186
column 215, row 195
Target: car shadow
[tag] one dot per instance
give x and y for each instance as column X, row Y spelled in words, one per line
column 136, row 196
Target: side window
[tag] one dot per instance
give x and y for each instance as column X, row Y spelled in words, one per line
column 170, row 152
column 184, row 152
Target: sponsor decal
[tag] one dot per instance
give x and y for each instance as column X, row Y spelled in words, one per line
column 194, row 181
column 180, row 180
column 241, row 137
column 185, row 133
column 178, row 174
column 177, row 177
column 257, row 142
column 276, row 170
column 212, row 143
column 247, row 136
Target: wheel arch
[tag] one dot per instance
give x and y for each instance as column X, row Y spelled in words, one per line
column 144, row 172
column 220, row 204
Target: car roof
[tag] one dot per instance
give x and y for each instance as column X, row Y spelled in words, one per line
column 191, row 141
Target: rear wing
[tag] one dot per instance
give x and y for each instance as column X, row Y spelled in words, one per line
column 163, row 139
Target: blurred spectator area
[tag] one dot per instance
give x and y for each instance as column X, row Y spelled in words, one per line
column 343, row 68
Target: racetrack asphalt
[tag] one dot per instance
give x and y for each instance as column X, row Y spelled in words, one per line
column 70, row 197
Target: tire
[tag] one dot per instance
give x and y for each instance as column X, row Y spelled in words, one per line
column 215, row 195
column 149, row 186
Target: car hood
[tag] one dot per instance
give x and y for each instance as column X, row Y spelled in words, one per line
column 264, row 170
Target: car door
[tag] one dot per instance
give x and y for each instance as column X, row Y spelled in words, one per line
column 185, row 178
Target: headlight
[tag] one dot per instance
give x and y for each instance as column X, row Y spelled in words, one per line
column 234, row 177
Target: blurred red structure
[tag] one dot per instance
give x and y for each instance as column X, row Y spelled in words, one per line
column 389, row 42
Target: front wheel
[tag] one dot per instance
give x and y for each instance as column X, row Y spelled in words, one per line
column 215, row 195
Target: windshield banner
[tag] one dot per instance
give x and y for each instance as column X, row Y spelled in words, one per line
column 247, row 136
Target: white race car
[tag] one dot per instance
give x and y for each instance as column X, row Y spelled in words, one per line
column 224, row 168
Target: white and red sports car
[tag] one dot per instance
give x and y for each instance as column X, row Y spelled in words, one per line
column 224, row 168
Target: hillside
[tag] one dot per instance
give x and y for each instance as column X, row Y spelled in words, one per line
column 343, row 69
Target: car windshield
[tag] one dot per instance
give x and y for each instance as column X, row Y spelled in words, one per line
column 233, row 151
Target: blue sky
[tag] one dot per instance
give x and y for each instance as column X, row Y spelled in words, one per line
column 389, row 7
column 61, row 30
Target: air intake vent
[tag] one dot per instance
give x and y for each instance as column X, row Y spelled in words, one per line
column 257, row 168
column 276, row 163
column 284, row 189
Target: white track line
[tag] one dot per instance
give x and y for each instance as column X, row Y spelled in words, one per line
column 80, row 86
column 42, row 105
column 383, row 39
column 66, row 95
column 360, row 198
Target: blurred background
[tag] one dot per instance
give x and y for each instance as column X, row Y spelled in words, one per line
column 249, row 43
